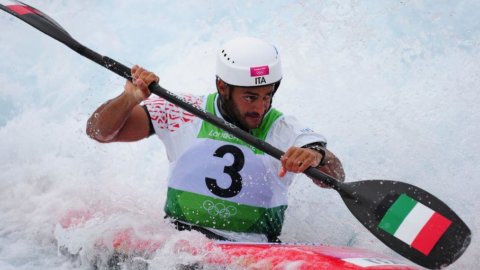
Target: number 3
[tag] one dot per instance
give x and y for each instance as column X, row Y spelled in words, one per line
column 232, row 171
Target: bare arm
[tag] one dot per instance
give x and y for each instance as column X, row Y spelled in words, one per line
column 122, row 118
column 333, row 168
column 119, row 119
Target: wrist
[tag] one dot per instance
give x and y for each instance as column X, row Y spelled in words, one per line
column 138, row 97
column 134, row 97
column 320, row 150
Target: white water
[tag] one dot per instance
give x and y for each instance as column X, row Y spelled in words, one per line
column 393, row 85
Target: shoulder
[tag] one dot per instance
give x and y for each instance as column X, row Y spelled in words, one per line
column 288, row 131
column 165, row 115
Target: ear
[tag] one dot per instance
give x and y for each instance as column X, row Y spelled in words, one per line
column 221, row 87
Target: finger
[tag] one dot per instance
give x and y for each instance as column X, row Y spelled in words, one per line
column 151, row 77
column 294, row 159
column 134, row 69
column 291, row 165
column 306, row 163
column 305, row 159
column 141, row 73
column 282, row 172
column 316, row 157
column 284, row 159
column 147, row 76
column 301, row 161
column 141, row 84
column 142, row 76
column 296, row 153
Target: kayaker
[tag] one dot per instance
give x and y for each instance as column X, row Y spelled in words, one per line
column 217, row 184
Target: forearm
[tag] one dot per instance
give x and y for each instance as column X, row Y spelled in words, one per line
column 106, row 122
column 333, row 167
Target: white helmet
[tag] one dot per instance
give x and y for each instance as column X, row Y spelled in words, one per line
column 249, row 62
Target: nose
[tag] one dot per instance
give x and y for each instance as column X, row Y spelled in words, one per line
column 261, row 105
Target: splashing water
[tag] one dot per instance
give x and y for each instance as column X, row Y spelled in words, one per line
column 393, row 86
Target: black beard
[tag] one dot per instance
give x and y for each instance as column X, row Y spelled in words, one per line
column 230, row 113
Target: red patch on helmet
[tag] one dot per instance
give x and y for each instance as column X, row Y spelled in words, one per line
column 259, row 71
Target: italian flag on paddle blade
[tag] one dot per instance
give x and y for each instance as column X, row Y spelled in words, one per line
column 414, row 223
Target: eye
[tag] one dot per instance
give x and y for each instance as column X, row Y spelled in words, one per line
column 250, row 98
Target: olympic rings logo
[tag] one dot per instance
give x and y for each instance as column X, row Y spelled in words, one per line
column 219, row 209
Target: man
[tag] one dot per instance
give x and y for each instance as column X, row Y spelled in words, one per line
column 218, row 184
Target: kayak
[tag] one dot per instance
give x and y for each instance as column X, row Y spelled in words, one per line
column 126, row 245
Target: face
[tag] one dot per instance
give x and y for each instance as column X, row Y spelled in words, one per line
column 249, row 104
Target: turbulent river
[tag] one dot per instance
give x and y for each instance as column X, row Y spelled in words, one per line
column 394, row 86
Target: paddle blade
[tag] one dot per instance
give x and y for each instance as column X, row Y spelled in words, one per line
column 409, row 220
column 37, row 19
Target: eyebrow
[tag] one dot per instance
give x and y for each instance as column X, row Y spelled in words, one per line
column 255, row 93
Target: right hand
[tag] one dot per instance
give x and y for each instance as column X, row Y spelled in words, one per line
column 141, row 79
column 298, row 159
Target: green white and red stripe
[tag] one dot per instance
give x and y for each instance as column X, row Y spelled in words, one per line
column 414, row 223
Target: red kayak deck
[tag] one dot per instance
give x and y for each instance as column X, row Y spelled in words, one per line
column 243, row 255
column 278, row 256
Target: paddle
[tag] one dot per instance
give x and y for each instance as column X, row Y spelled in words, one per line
column 406, row 218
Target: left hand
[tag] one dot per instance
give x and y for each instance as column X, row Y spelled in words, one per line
column 141, row 79
column 298, row 159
